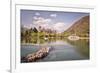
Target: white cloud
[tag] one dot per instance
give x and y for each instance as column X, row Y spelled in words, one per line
column 35, row 18
column 59, row 26
column 31, row 26
column 40, row 21
column 28, row 26
column 47, row 23
column 53, row 15
column 37, row 13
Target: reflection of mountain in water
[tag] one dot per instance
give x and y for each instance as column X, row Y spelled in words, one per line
column 82, row 46
column 62, row 50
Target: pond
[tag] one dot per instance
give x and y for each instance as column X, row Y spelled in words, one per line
column 64, row 49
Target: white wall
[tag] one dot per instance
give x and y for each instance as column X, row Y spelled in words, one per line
column 89, row 2
column 5, row 35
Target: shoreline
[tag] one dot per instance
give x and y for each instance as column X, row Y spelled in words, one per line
column 28, row 44
column 83, row 38
column 80, row 38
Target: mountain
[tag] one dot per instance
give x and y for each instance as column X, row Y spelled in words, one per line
column 80, row 27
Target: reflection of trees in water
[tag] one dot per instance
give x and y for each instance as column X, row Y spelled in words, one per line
column 51, row 39
column 82, row 46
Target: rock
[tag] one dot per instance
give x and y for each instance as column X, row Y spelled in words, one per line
column 38, row 55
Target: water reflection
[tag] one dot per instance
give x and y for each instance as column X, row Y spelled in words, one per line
column 64, row 49
column 81, row 45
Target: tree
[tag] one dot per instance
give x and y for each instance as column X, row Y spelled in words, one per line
column 35, row 30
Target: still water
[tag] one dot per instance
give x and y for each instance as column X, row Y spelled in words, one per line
column 63, row 50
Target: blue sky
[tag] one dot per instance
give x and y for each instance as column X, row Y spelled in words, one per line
column 59, row 21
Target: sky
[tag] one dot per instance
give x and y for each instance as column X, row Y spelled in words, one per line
column 55, row 20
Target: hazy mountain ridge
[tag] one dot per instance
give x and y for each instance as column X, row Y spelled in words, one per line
column 80, row 27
